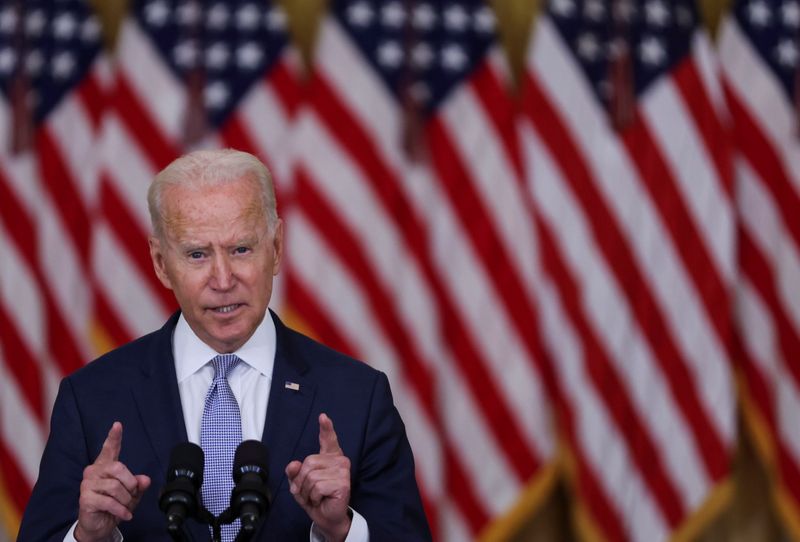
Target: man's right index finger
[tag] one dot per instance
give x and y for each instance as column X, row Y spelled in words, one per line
column 112, row 445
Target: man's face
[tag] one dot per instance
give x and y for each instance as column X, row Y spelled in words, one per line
column 218, row 257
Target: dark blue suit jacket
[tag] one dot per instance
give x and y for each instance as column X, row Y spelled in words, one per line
column 136, row 384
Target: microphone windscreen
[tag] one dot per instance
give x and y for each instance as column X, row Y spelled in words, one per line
column 250, row 456
column 186, row 459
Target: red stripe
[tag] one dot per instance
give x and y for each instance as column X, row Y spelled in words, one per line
column 149, row 138
column 609, row 386
column 64, row 193
column 60, row 342
column 93, row 99
column 481, row 382
column 655, row 175
column 499, row 107
column 306, row 305
column 460, row 489
column 235, row 134
column 718, row 140
column 756, row 268
column 327, row 223
column 586, row 484
column 764, row 159
column 21, row 363
column 17, row 487
column 284, row 82
column 648, row 313
column 489, row 245
column 383, row 182
column 325, row 331
column 134, row 241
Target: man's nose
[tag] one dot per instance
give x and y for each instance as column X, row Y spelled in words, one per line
column 221, row 273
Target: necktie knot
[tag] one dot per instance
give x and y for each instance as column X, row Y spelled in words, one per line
column 223, row 364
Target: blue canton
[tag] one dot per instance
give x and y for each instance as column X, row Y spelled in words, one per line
column 773, row 27
column 231, row 43
column 50, row 45
column 656, row 33
column 421, row 49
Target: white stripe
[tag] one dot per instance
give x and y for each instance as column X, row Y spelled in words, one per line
column 497, row 183
column 617, row 329
column 268, row 125
column 602, row 446
column 21, row 295
column 137, row 307
column 452, row 524
column 360, row 90
column 66, row 275
column 490, row 327
column 762, row 95
column 347, row 191
column 127, row 169
column 704, row 58
column 322, row 276
column 76, row 139
column 160, row 94
column 643, row 230
column 759, row 336
column 761, row 219
column 19, row 427
column 695, row 174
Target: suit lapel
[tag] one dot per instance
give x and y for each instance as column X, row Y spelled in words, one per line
column 158, row 399
column 290, row 399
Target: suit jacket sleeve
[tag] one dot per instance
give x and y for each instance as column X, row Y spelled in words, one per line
column 384, row 488
column 53, row 506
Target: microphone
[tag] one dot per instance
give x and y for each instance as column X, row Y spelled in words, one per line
column 250, row 498
column 180, row 496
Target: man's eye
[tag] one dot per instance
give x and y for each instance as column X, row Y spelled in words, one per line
column 241, row 250
column 196, row 255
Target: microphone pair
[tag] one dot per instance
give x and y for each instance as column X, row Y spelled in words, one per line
column 250, row 498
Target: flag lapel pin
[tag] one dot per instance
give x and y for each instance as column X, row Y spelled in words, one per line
column 294, row 386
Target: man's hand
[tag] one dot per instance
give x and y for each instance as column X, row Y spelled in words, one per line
column 109, row 492
column 321, row 484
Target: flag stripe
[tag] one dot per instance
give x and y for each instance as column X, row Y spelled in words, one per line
column 605, row 379
column 360, row 147
column 133, row 239
column 620, row 259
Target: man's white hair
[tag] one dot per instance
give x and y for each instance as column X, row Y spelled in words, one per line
column 206, row 168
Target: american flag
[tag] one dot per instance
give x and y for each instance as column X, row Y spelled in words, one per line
column 410, row 245
column 631, row 181
column 760, row 55
column 75, row 275
column 52, row 73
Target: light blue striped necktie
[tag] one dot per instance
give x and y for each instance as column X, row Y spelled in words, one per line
column 220, row 434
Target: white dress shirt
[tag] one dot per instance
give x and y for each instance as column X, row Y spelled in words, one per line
column 250, row 382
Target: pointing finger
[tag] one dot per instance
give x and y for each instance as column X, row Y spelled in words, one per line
column 328, row 441
column 112, row 445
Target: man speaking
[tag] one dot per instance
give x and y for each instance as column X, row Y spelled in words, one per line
column 221, row 371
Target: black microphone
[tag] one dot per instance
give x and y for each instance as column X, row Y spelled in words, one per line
column 250, row 498
column 180, row 496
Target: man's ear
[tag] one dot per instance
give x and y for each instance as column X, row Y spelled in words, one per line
column 159, row 265
column 277, row 247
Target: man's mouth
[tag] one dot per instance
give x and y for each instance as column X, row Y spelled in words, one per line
column 226, row 308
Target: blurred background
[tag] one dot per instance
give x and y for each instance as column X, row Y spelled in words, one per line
column 568, row 231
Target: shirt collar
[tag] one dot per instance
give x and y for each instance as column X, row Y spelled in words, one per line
column 191, row 354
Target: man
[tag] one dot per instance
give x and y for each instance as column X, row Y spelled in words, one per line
column 220, row 371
